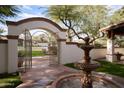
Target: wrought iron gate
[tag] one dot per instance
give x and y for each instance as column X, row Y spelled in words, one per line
column 26, row 47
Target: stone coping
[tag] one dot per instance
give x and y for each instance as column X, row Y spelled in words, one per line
column 115, row 80
column 36, row 19
column 12, row 36
column 3, row 41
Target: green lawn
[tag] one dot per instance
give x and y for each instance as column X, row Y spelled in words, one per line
column 9, row 81
column 111, row 68
column 71, row 65
column 107, row 67
column 38, row 53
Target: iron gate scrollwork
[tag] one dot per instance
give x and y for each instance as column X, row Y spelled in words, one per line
column 26, row 47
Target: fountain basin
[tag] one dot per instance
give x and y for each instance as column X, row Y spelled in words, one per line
column 73, row 81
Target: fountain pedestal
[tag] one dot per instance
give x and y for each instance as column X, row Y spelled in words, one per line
column 86, row 66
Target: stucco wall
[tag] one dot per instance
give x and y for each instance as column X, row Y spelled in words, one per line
column 12, row 55
column 17, row 30
column 69, row 53
column 121, row 50
column 3, row 57
column 98, row 53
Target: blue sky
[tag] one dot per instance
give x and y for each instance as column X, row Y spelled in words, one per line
column 28, row 11
column 39, row 11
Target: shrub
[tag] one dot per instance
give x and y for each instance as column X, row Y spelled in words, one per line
column 21, row 53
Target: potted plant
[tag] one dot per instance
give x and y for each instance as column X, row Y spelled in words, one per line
column 20, row 58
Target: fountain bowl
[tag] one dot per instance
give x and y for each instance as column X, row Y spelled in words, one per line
column 73, row 81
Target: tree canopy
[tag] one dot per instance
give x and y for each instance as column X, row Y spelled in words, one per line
column 118, row 16
column 82, row 21
column 7, row 11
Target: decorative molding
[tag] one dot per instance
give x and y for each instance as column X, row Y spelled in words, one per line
column 35, row 19
column 3, row 41
column 12, row 37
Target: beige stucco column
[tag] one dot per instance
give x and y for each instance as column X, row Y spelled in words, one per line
column 110, row 50
column 12, row 53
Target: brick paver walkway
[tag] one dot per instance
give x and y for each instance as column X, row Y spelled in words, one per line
column 42, row 74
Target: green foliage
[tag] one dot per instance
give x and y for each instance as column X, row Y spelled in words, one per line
column 45, row 37
column 60, row 12
column 97, row 45
column 106, row 67
column 9, row 81
column 111, row 68
column 21, row 53
column 8, row 11
column 2, row 30
column 119, row 40
column 94, row 18
column 38, row 53
column 118, row 16
column 81, row 21
column 71, row 65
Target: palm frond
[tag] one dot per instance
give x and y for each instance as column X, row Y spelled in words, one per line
column 8, row 11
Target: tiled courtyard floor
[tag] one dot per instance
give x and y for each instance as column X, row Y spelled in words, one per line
column 42, row 74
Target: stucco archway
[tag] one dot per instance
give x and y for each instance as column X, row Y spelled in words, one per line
column 16, row 28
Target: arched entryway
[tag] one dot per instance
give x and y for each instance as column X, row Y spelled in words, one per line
column 17, row 28
column 37, row 44
column 45, row 42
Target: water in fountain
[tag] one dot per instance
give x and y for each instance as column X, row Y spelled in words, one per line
column 75, row 83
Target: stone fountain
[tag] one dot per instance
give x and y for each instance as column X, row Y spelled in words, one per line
column 85, row 79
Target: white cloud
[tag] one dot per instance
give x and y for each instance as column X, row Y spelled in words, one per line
column 44, row 6
column 20, row 17
column 28, row 15
column 27, row 7
column 2, row 26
